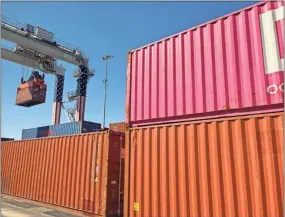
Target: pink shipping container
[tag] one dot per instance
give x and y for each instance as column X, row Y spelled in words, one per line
column 230, row 66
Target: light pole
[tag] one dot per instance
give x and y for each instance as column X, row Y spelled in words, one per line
column 105, row 58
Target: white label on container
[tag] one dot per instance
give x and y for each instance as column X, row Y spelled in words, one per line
column 272, row 60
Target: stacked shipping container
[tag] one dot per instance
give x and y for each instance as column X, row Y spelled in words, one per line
column 230, row 66
column 61, row 129
column 221, row 85
column 222, row 167
column 204, row 131
column 119, row 127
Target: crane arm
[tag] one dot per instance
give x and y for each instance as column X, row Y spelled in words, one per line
column 31, row 62
column 29, row 40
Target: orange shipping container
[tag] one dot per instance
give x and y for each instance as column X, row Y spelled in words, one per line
column 118, row 127
column 79, row 172
column 223, row 167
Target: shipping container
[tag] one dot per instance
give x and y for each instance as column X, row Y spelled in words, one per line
column 6, row 139
column 220, row 167
column 30, row 94
column 61, row 129
column 118, row 127
column 78, row 172
column 230, row 66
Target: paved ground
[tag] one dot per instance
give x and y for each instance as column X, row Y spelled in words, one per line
column 17, row 208
column 8, row 210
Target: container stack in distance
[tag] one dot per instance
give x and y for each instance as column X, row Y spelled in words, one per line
column 3, row 139
column 61, row 129
column 205, row 109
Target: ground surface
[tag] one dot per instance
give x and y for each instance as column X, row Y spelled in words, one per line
column 8, row 210
column 17, row 208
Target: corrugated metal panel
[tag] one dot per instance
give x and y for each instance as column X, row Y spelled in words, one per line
column 232, row 64
column 223, row 167
column 118, row 127
column 72, row 171
column 61, row 129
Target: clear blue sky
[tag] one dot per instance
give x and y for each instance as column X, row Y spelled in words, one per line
column 98, row 28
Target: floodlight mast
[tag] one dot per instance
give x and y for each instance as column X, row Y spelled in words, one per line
column 105, row 81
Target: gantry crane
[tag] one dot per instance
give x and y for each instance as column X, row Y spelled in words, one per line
column 37, row 48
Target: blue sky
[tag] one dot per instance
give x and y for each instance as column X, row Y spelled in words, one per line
column 98, row 28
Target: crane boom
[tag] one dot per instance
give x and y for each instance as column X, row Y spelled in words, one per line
column 28, row 40
column 18, row 58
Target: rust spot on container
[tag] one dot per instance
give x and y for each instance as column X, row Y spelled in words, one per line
column 226, row 107
column 129, row 57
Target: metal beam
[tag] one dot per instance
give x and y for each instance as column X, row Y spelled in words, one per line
column 22, row 38
column 22, row 60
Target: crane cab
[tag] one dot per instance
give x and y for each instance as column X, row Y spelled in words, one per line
column 31, row 92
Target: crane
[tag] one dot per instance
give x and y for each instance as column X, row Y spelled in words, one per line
column 37, row 48
column 31, row 59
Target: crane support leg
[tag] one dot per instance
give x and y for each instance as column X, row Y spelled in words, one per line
column 81, row 88
column 57, row 102
column 80, row 108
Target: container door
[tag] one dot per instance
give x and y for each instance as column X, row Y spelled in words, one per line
column 115, row 176
column 94, row 195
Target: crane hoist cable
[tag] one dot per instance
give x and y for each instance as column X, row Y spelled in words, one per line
column 23, row 74
column 34, row 63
